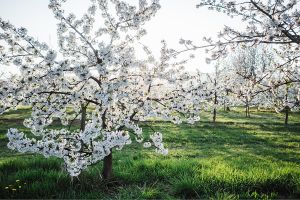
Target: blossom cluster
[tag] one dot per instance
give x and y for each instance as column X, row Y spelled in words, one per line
column 77, row 149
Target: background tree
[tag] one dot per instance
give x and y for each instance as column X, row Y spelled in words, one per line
column 274, row 23
column 270, row 22
column 284, row 98
column 249, row 69
column 216, row 91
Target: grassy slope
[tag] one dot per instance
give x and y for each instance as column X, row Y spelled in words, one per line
column 236, row 158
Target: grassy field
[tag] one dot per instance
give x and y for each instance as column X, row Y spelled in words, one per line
column 237, row 158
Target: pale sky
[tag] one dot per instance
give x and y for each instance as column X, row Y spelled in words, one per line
column 176, row 19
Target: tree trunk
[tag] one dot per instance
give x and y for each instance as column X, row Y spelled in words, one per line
column 107, row 161
column 286, row 107
column 83, row 117
column 248, row 111
column 286, row 116
column 76, row 180
column 247, row 108
column 227, row 107
column 107, row 166
column 214, row 115
column 215, row 104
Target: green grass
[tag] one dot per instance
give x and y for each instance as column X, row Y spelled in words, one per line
column 236, row 158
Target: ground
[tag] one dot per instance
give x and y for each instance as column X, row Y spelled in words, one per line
column 236, row 158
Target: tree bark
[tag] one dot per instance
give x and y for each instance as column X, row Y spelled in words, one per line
column 107, row 167
column 247, row 108
column 215, row 103
column 286, row 107
column 214, row 115
column 248, row 111
column 227, row 107
column 83, row 117
column 286, row 116
column 107, row 161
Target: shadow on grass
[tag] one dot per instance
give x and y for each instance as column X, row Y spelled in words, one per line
column 232, row 141
column 146, row 178
column 240, row 159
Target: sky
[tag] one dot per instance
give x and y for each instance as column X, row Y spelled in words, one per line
column 175, row 20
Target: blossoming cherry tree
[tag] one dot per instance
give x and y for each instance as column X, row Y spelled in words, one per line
column 94, row 67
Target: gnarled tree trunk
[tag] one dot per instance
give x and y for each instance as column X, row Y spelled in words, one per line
column 107, row 161
column 107, row 167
